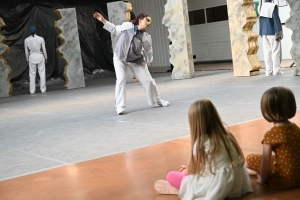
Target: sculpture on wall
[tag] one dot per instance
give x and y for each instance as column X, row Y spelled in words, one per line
column 70, row 49
column 127, row 12
column 293, row 23
column 179, row 33
column 244, row 41
column 5, row 70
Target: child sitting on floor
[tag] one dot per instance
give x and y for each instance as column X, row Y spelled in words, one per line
column 282, row 170
column 216, row 167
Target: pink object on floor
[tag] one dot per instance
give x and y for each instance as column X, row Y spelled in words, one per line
column 175, row 178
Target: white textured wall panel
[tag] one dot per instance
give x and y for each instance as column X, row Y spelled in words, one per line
column 158, row 32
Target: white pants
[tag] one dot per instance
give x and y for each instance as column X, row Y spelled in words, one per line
column 142, row 74
column 32, row 73
column 272, row 54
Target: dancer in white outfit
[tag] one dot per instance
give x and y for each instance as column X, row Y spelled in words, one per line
column 36, row 59
column 128, row 54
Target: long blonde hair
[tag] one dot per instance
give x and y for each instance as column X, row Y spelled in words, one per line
column 205, row 121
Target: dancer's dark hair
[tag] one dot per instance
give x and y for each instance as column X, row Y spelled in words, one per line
column 132, row 16
column 137, row 19
column 32, row 31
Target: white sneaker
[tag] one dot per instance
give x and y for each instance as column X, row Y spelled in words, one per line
column 162, row 103
column 163, row 187
column 269, row 74
column 120, row 110
column 279, row 73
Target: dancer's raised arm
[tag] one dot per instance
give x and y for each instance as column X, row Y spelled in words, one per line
column 99, row 17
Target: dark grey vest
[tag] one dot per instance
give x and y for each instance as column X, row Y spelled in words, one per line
column 129, row 47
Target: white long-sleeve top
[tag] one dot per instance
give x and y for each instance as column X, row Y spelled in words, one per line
column 123, row 44
column 35, row 48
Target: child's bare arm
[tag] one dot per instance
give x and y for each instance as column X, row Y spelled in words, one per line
column 265, row 167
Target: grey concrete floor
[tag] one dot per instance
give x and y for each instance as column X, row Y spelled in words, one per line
column 62, row 127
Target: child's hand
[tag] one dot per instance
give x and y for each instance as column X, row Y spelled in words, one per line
column 182, row 168
column 185, row 171
column 258, row 180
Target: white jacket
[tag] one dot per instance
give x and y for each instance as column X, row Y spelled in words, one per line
column 126, row 30
column 33, row 47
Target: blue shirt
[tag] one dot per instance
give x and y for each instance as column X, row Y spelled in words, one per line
column 271, row 26
column 140, row 33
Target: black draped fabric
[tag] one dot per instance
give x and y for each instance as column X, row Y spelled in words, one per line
column 95, row 42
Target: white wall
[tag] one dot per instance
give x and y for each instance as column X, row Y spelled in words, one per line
column 284, row 14
column 211, row 42
column 158, row 31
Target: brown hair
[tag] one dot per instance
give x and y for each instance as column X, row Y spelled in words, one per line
column 278, row 104
column 205, row 122
column 137, row 19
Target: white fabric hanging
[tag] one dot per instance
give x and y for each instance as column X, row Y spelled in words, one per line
column 267, row 9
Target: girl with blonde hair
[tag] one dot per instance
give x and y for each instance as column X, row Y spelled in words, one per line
column 216, row 167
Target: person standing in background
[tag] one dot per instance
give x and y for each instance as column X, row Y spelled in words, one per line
column 36, row 57
column 271, row 31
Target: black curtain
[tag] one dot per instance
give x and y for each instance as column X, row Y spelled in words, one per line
column 95, row 42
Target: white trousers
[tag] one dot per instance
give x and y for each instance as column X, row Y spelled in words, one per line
column 32, row 74
column 272, row 54
column 142, row 74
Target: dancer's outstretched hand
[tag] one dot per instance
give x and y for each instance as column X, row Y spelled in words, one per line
column 99, row 17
